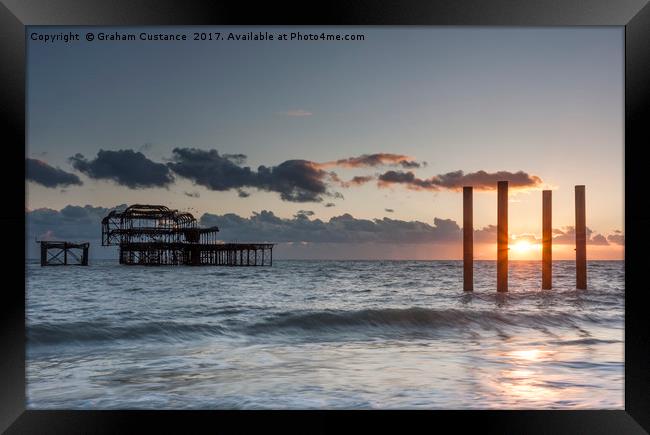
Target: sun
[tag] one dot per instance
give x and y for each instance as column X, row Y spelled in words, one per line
column 522, row 246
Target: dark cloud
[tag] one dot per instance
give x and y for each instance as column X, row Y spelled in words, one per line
column 294, row 180
column 617, row 238
column 408, row 179
column 192, row 194
column 354, row 181
column 598, row 239
column 40, row 172
column 455, row 180
column 567, row 236
column 374, row 160
column 266, row 226
column 389, row 210
column 83, row 223
column 330, row 204
column 486, row 234
column 209, row 169
column 482, row 180
column 126, row 167
column 243, row 194
column 238, row 159
column 72, row 223
column 359, row 180
column 304, row 213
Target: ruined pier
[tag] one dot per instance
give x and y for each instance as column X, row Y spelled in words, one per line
column 154, row 235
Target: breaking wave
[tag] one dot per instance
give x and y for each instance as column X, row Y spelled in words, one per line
column 420, row 318
column 105, row 331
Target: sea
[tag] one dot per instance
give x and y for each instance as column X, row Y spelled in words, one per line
column 323, row 335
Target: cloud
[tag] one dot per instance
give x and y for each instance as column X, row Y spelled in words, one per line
column 294, row 180
column 617, row 238
column 266, row 226
column 455, row 180
column 83, row 223
column 40, row 172
column 330, row 204
column 389, row 210
column 354, row 181
column 297, row 112
column 486, row 234
column 374, row 160
column 598, row 239
column 145, row 147
column 125, row 167
column 72, row 222
column 567, row 236
column 409, row 179
column 192, row 194
column 304, row 213
column 238, row 159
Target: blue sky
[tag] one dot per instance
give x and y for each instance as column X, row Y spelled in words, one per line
column 546, row 101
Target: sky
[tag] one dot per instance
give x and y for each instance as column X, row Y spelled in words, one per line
column 333, row 149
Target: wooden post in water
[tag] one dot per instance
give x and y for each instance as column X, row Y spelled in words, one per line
column 43, row 254
column 547, row 239
column 581, row 239
column 502, row 236
column 468, row 240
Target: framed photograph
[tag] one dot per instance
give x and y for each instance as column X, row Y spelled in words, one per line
column 423, row 209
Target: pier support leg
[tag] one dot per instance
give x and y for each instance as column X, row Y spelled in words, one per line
column 43, row 254
column 581, row 239
column 468, row 240
column 547, row 239
column 502, row 236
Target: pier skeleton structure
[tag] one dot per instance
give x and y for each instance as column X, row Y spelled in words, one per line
column 153, row 235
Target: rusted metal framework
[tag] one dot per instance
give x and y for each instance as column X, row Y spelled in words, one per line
column 155, row 235
column 56, row 253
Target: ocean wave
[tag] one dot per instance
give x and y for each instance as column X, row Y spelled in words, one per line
column 414, row 317
column 106, row 331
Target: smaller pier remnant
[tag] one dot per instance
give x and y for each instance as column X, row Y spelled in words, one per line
column 58, row 253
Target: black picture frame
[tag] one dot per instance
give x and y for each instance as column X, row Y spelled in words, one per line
column 633, row 14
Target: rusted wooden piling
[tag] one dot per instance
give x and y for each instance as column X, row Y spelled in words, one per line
column 468, row 240
column 547, row 239
column 581, row 238
column 502, row 236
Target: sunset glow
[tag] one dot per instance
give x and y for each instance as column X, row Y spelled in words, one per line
column 523, row 246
